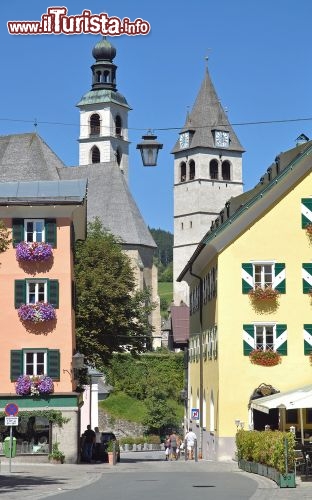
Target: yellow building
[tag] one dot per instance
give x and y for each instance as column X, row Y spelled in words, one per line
column 250, row 308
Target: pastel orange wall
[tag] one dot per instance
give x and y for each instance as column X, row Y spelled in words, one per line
column 13, row 333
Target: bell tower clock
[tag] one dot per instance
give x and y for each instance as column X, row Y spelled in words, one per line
column 207, row 173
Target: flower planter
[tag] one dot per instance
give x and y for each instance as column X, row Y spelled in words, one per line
column 36, row 313
column 264, row 358
column 287, row 480
column 34, row 386
column 111, row 458
column 282, row 480
column 33, row 251
column 259, row 294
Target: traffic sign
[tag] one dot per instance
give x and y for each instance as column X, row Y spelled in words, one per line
column 11, row 410
column 10, row 421
column 195, row 413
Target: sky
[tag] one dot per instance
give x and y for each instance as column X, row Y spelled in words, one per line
column 259, row 61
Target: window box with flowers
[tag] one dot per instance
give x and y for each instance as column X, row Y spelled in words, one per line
column 308, row 229
column 33, row 251
column 35, row 385
column 263, row 293
column 37, row 313
column 265, row 358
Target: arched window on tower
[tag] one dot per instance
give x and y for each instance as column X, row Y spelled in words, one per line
column 192, row 170
column 118, row 156
column 214, row 169
column 183, row 171
column 98, row 76
column 95, row 125
column 95, row 155
column 226, row 170
column 118, row 126
column 106, row 77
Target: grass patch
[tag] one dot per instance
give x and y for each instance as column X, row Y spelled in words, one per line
column 165, row 289
column 120, row 405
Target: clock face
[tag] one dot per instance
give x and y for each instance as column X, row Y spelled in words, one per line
column 184, row 140
column 221, row 138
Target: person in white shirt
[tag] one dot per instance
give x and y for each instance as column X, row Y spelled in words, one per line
column 190, row 438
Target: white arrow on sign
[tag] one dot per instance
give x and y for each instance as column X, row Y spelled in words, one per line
column 10, row 421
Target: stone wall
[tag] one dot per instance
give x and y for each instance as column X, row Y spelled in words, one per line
column 120, row 428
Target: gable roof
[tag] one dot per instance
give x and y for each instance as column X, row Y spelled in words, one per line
column 27, row 156
column 206, row 116
column 241, row 211
column 39, row 192
column 110, row 200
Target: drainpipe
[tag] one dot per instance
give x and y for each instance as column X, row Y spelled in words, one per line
column 201, row 367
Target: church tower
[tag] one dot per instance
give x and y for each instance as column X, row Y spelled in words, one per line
column 104, row 114
column 207, row 172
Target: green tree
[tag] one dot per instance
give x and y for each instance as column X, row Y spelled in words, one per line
column 111, row 314
column 160, row 415
column 164, row 242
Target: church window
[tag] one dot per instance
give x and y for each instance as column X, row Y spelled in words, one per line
column 118, row 126
column 226, row 170
column 183, row 172
column 95, row 155
column 191, row 224
column 98, row 76
column 95, row 124
column 106, row 77
column 192, row 170
column 214, row 169
column 118, row 156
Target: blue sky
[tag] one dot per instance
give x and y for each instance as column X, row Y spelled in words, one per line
column 259, row 60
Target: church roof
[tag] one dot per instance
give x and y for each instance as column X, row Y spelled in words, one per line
column 103, row 95
column 206, row 116
column 109, row 199
column 42, row 192
column 27, row 156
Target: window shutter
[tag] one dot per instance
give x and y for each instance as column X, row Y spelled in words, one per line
column 306, row 278
column 281, row 339
column 72, row 237
column 17, row 231
column 307, row 339
column 16, row 364
column 54, row 364
column 248, row 339
column 279, row 283
column 19, row 293
column 306, row 212
column 50, row 231
column 53, row 293
column 247, row 278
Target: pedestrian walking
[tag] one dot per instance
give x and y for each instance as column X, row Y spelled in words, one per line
column 167, row 447
column 173, row 446
column 89, row 440
column 190, row 438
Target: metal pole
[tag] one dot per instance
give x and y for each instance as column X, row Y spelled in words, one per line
column 11, row 448
column 195, row 451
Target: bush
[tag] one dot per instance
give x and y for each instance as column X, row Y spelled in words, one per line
column 266, row 447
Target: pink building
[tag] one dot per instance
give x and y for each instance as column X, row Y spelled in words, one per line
column 37, row 323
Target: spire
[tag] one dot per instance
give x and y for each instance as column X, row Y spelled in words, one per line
column 206, row 116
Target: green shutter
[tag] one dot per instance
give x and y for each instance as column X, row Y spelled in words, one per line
column 17, row 231
column 307, row 339
column 16, row 365
column 306, row 212
column 306, row 277
column 279, row 283
column 54, row 364
column 247, row 277
column 19, row 293
column 50, row 232
column 281, row 339
column 53, row 293
column 248, row 339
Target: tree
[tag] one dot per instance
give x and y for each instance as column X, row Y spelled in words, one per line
column 5, row 239
column 160, row 415
column 111, row 314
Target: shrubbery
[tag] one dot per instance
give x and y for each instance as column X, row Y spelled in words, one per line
column 266, row 447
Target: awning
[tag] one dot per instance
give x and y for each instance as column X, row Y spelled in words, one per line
column 297, row 398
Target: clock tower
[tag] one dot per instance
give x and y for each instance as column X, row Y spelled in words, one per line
column 207, row 173
column 104, row 114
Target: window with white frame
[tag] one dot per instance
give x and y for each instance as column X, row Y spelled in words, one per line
column 36, row 291
column 265, row 337
column 34, row 230
column 263, row 275
column 35, row 362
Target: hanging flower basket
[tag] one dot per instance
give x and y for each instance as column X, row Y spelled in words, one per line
column 308, row 229
column 37, row 313
column 33, row 251
column 267, row 293
column 265, row 358
column 34, row 385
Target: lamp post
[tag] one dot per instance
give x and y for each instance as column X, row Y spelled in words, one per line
column 149, row 148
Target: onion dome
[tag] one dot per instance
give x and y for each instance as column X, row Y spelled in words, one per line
column 104, row 50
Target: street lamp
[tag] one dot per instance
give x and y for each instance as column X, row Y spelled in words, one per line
column 77, row 364
column 149, row 148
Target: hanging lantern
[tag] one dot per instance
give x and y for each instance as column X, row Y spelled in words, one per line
column 149, row 148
